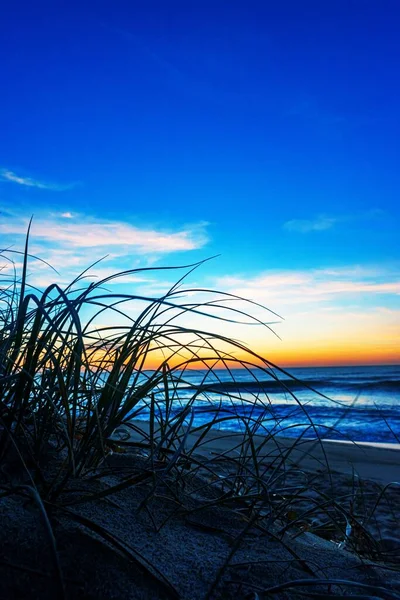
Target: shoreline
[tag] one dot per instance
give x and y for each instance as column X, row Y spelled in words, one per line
column 383, row 445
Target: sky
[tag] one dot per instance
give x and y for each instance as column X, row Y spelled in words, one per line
column 163, row 133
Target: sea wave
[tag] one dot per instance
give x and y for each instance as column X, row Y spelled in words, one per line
column 291, row 385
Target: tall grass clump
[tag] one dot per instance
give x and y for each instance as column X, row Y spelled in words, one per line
column 88, row 374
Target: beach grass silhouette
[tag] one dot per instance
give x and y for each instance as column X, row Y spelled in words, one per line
column 84, row 421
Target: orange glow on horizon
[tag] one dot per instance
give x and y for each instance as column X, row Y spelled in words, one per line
column 368, row 352
column 335, row 355
column 317, row 357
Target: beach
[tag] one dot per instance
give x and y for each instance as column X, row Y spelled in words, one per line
column 178, row 535
column 371, row 461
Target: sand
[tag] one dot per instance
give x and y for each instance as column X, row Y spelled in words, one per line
column 380, row 463
column 198, row 544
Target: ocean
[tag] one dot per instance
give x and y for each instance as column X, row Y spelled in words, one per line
column 345, row 403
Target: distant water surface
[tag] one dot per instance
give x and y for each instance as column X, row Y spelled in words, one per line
column 353, row 403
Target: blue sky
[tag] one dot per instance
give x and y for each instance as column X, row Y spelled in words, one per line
column 167, row 132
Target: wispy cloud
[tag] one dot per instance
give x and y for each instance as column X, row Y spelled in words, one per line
column 7, row 175
column 316, row 286
column 71, row 242
column 92, row 233
column 323, row 222
column 320, row 223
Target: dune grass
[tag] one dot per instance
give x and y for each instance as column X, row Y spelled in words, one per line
column 73, row 392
